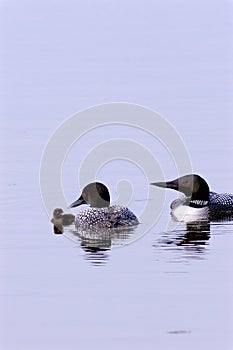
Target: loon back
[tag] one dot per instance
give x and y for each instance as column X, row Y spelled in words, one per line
column 220, row 205
column 110, row 217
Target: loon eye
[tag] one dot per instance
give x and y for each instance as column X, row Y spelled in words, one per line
column 185, row 183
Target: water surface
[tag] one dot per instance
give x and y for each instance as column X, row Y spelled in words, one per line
column 168, row 289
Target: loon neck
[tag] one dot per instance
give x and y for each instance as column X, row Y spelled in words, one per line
column 199, row 197
column 196, row 203
column 200, row 191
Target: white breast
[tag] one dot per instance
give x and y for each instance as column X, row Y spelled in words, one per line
column 187, row 214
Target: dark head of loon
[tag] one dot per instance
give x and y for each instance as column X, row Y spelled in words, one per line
column 191, row 185
column 95, row 194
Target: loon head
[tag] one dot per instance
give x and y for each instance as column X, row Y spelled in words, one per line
column 191, row 185
column 95, row 194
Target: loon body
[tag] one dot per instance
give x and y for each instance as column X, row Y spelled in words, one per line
column 198, row 202
column 101, row 214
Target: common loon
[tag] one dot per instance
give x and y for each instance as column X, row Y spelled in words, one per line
column 101, row 214
column 198, row 203
column 59, row 220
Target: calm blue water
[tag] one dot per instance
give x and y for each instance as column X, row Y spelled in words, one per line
column 168, row 289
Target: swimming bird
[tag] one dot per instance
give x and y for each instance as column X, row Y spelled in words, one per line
column 101, row 214
column 198, row 202
column 59, row 220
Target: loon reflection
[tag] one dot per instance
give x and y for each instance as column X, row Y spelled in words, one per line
column 197, row 233
column 97, row 243
column 193, row 236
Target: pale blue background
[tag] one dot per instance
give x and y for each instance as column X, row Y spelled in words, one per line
column 58, row 57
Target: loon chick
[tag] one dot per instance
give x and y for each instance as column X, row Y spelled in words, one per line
column 62, row 219
column 198, row 202
column 101, row 214
column 59, row 220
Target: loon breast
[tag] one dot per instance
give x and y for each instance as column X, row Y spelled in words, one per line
column 108, row 217
column 219, row 206
column 186, row 213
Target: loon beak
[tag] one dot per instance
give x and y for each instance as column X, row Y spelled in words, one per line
column 170, row 184
column 188, row 184
column 78, row 202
